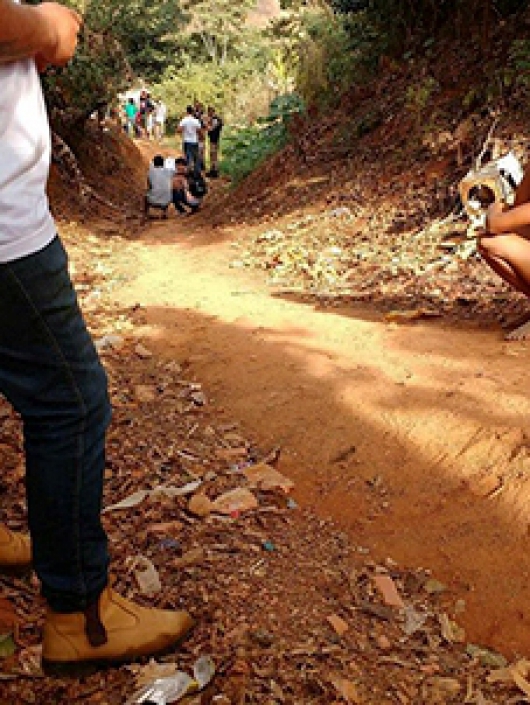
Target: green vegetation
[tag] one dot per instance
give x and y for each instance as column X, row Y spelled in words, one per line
column 311, row 55
column 245, row 148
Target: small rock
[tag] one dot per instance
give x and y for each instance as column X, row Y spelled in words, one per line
column 383, row 642
column 199, row 505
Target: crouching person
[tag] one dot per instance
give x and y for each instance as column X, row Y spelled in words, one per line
column 159, row 187
column 183, row 197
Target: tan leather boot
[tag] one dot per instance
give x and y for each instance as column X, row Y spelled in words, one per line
column 15, row 550
column 111, row 631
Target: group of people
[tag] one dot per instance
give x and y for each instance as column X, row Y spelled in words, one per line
column 145, row 119
column 148, row 119
column 51, row 373
column 180, row 181
column 194, row 127
column 172, row 181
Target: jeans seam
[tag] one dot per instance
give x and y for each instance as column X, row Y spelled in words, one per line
column 82, row 427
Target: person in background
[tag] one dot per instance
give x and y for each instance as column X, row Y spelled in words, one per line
column 142, row 110
column 149, row 117
column 190, row 128
column 52, row 375
column 160, row 119
column 214, row 126
column 159, row 187
column 131, row 111
column 183, row 196
column 201, row 117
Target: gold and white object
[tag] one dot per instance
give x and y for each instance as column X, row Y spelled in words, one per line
column 495, row 181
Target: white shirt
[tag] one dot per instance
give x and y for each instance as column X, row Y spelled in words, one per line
column 160, row 113
column 190, row 127
column 26, row 225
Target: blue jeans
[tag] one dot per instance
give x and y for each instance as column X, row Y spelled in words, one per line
column 51, row 373
column 191, row 152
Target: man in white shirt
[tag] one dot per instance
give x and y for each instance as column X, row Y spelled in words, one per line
column 191, row 129
column 51, row 373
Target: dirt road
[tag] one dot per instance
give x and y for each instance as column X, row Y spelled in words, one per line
column 411, row 436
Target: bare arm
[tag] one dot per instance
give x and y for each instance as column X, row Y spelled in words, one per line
column 47, row 32
column 507, row 221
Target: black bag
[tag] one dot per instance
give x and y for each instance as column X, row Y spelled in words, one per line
column 197, row 185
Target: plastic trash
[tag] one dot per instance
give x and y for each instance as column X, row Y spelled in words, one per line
column 171, row 689
column 165, row 690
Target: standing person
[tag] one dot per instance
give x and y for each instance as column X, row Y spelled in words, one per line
column 199, row 114
column 214, row 126
column 51, row 373
column 131, row 111
column 149, row 117
column 190, row 128
column 505, row 247
column 160, row 119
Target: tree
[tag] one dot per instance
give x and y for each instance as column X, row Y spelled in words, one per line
column 220, row 26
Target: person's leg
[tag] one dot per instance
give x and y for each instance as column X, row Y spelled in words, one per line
column 51, row 373
column 188, row 153
column 509, row 257
column 196, row 157
column 201, row 158
column 179, row 200
column 213, row 158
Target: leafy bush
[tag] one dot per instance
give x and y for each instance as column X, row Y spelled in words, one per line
column 419, row 96
column 335, row 52
column 244, row 148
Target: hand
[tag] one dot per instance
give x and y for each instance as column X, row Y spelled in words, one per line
column 60, row 29
column 494, row 210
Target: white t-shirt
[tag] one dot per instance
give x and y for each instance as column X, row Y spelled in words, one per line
column 26, row 225
column 190, row 127
column 160, row 113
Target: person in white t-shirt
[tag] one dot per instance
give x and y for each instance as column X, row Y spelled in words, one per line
column 51, row 373
column 191, row 129
column 160, row 119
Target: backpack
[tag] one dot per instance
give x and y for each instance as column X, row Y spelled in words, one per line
column 197, row 185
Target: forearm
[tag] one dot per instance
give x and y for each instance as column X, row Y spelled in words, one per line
column 24, row 32
column 508, row 221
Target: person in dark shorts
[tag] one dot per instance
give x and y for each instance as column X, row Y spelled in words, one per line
column 214, row 126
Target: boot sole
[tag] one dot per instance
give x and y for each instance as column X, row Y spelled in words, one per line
column 80, row 669
column 16, row 571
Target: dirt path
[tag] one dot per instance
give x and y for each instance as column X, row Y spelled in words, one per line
column 412, row 437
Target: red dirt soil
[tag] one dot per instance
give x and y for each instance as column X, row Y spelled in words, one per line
column 410, row 436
